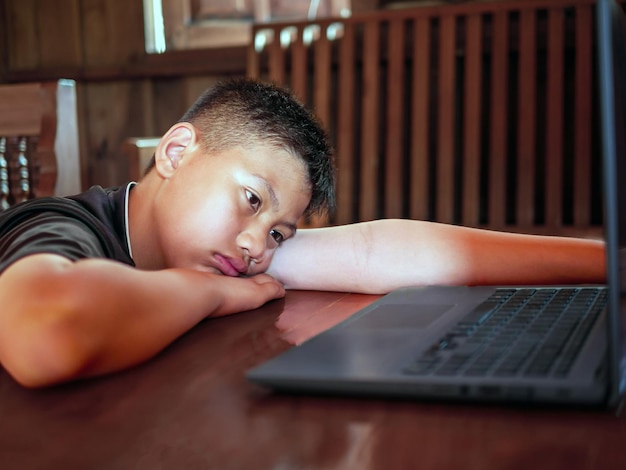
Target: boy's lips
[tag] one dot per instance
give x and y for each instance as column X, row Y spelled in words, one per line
column 230, row 266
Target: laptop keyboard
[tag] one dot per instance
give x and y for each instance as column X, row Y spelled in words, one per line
column 516, row 332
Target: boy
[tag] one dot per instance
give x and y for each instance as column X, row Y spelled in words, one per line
column 226, row 189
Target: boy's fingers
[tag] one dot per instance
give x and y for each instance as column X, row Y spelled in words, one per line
column 275, row 288
column 249, row 293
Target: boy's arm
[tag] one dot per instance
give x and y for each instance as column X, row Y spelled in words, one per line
column 378, row 256
column 62, row 320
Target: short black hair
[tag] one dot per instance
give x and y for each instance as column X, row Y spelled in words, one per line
column 246, row 112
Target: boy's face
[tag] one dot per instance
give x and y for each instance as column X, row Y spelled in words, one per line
column 227, row 213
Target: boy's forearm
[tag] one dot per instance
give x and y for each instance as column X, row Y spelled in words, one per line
column 97, row 316
column 512, row 258
column 379, row 256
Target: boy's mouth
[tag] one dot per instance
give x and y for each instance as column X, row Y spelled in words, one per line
column 230, row 266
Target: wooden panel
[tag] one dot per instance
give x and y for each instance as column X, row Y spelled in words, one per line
column 4, row 40
column 370, row 123
column 446, row 121
column 21, row 38
column 420, row 122
column 110, row 125
column 193, row 87
column 20, row 109
column 71, row 34
column 59, row 40
column 394, row 187
column 526, row 139
column 497, row 129
column 582, row 112
column 472, row 121
column 554, row 123
column 171, row 100
column 112, row 35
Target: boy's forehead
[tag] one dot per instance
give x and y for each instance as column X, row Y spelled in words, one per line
column 279, row 157
column 276, row 165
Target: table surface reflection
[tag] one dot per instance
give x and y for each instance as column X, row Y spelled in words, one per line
column 191, row 407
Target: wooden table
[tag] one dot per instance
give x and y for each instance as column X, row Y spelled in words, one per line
column 191, row 408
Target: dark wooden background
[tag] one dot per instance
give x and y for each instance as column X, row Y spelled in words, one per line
column 122, row 91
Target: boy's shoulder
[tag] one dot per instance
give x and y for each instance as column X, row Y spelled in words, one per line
column 100, row 210
column 89, row 207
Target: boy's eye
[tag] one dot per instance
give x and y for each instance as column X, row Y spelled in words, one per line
column 253, row 199
column 277, row 236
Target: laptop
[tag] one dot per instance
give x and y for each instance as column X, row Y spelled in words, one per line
column 527, row 344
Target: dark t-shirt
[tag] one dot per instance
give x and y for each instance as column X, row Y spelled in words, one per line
column 88, row 225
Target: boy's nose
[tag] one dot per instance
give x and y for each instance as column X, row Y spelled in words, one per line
column 252, row 241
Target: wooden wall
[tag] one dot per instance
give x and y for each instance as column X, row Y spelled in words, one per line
column 481, row 113
column 122, row 92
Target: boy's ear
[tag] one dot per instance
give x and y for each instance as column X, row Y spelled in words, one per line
column 178, row 141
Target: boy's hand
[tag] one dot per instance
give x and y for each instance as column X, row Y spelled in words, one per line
column 246, row 293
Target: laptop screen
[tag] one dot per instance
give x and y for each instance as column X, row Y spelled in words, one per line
column 611, row 34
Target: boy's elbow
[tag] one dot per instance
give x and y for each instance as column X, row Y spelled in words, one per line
column 42, row 359
column 43, row 353
column 40, row 341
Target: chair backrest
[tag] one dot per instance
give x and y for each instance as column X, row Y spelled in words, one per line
column 39, row 142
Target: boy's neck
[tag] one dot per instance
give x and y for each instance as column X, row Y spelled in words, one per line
column 144, row 243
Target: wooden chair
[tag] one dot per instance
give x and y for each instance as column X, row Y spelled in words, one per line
column 39, row 143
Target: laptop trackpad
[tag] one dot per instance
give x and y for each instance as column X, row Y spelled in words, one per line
column 400, row 316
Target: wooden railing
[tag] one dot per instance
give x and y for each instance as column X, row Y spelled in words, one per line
column 481, row 114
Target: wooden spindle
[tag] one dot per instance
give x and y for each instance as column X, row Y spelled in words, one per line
column 23, row 189
column 445, row 186
column 472, row 115
column 420, row 121
column 370, row 122
column 499, row 118
column 527, row 118
column 4, row 175
column 583, row 117
column 554, row 119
